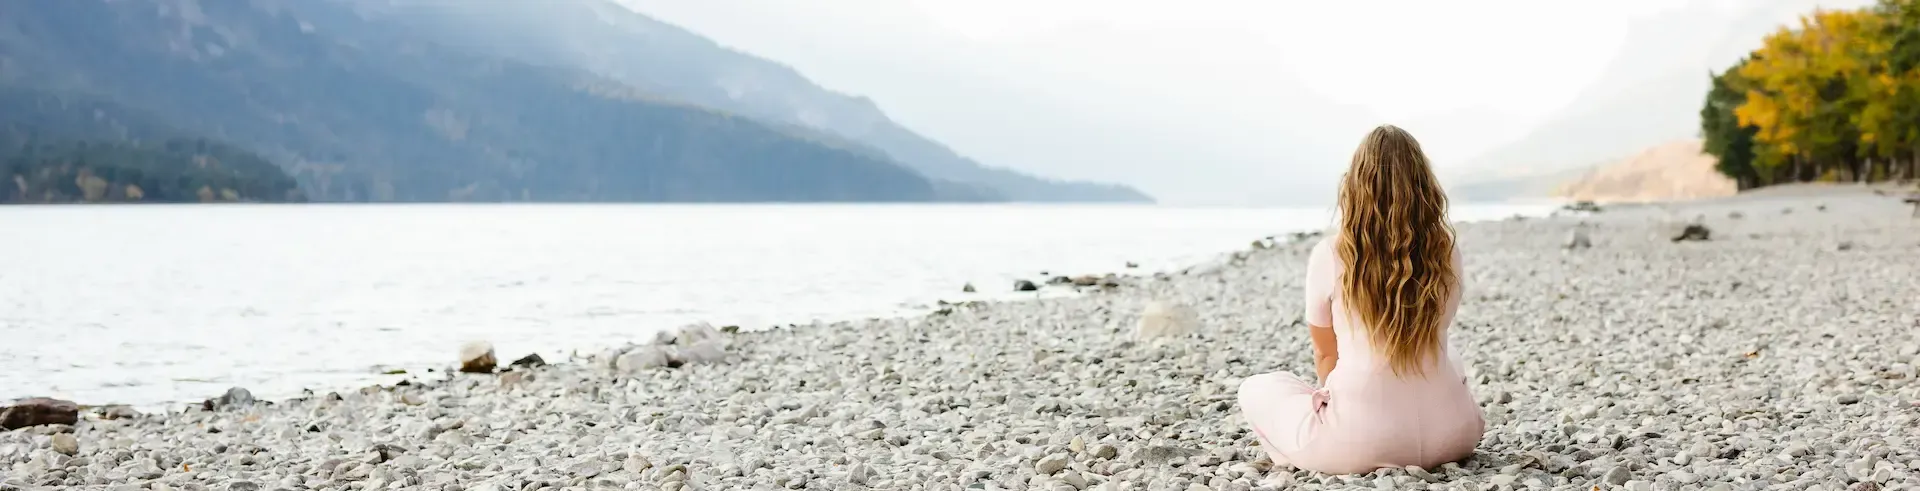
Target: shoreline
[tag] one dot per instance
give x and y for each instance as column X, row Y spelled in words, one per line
column 1003, row 391
column 1050, row 287
column 1552, row 210
column 374, row 373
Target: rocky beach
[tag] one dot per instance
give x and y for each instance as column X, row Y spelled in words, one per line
column 1774, row 348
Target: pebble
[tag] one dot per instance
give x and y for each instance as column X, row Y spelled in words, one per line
column 1617, row 476
column 1051, row 464
column 1105, row 451
column 1422, row 474
column 1075, row 479
column 65, row 444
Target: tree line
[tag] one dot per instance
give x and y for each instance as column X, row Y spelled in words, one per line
column 1836, row 98
column 178, row 170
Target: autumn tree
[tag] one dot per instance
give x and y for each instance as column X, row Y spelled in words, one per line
column 1893, row 116
column 181, row 170
column 92, row 187
column 1835, row 98
column 1730, row 142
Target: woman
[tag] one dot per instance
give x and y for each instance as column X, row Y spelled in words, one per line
column 1381, row 292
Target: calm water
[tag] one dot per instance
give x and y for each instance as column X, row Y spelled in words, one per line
column 151, row 305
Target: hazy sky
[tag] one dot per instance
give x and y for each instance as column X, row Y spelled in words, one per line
column 1380, row 54
column 1225, row 101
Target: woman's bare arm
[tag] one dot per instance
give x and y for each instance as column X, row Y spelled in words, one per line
column 1326, row 351
column 1319, row 287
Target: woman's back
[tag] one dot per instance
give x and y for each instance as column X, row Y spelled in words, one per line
column 1359, row 358
column 1380, row 293
column 1403, row 420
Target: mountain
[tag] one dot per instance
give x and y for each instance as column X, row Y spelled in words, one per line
column 608, row 39
column 367, row 111
column 1676, row 170
column 1190, row 108
column 1650, row 94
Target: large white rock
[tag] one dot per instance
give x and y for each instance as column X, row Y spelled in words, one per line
column 693, row 334
column 643, row 357
column 693, row 343
column 700, row 343
column 1162, row 318
column 477, row 357
column 705, row 351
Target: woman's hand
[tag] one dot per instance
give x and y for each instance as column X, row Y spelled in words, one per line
column 1326, row 351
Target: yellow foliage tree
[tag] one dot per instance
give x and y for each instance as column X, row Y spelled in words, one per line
column 1825, row 99
column 92, row 187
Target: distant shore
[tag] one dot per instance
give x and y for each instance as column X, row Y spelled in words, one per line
column 1635, row 363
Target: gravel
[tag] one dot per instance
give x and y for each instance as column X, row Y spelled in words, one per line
column 1760, row 358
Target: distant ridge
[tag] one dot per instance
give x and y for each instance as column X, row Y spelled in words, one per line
column 1671, row 171
column 611, row 40
column 357, row 108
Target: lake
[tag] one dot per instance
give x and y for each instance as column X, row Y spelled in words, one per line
column 152, row 305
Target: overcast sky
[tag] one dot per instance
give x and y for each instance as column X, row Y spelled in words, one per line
column 1363, row 51
column 1197, row 101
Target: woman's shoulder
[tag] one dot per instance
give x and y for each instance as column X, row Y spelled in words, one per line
column 1321, row 243
column 1323, row 249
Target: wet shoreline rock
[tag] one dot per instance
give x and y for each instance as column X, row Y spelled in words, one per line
column 38, row 411
column 234, row 398
column 530, row 361
column 1582, row 206
column 477, row 357
column 1692, row 232
column 116, row 411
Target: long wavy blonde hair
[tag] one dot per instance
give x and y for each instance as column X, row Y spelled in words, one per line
column 1397, row 247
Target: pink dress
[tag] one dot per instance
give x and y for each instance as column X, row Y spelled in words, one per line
column 1366, row 418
